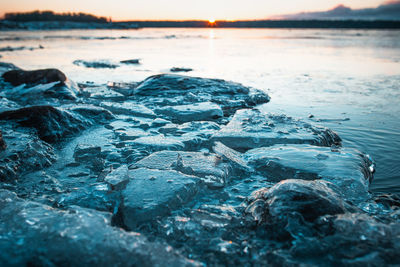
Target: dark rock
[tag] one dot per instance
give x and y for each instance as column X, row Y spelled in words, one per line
column 3, row 145
column 130, row 61
column 294, row 200
column 100, row 64
column 52, row 124
column 34, row 77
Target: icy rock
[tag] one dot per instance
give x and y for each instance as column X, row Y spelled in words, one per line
column 130, row 61
column 118, row 178
column 229, row 95
column 192, row 163
column 194, row 112
column 49, row 83
column 158, row 143
column 277, row 206
column 24, row 153
column 129, row 108
column 234, row 157
column 153, row 193
column 130, row 133
column 347, row 168
column 52, row 124
column 5, row 67
column 99, row 64
column 36, row 233
column 250, row 128
column 89, row 155
column 6, row 104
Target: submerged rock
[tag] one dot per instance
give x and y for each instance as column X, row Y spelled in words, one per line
column 153, row 193
column 250, row 128
column 203, row 111
column 130, row 61
column 51, row 124
column 96, row 64
column 347, row 168
column 177, row 69
column 33, row 233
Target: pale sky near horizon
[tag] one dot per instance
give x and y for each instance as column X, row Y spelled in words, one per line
column 182, row 9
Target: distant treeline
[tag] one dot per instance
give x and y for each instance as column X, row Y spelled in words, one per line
column 300, row 24
column 51, row 16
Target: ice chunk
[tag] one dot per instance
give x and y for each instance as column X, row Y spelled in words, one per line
column 194, row 112
column 193, row 163
column 153, row 193
column 347, row 168
column 129, row 108
column 250, row 128
column 118, row 178
column 159, row 142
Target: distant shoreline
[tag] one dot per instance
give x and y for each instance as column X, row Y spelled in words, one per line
column 255, row 24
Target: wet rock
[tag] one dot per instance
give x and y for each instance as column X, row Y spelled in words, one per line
column 89, row 155
column 251, row 129
column 176, row 69
column 49, row 83
column 195, row 112
column 34, row 77
column 347, row 168
column 129, row 108
column 52, row 124
column 3, row 145
column 101, row 92
column 154, row 193
column 192, row 163
column 183, row 90
column 38, row 234
column 96, row 64
column 131, row 61
column 5, row 67
column 291, row 202
column 24, row 153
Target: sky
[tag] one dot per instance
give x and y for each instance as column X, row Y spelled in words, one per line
column 182, row 9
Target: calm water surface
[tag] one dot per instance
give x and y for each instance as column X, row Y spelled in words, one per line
column 348, row 79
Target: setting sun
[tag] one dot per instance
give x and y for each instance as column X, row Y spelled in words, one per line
column 211, row 21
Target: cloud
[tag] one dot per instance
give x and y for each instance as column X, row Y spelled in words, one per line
column 389, row 10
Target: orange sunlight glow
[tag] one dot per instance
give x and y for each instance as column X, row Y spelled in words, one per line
column 211, row 21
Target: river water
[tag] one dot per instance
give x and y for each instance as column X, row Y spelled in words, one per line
column 347, row 80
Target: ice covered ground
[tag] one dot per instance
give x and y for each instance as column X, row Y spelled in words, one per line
column 119, row 162
column 178, row 170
